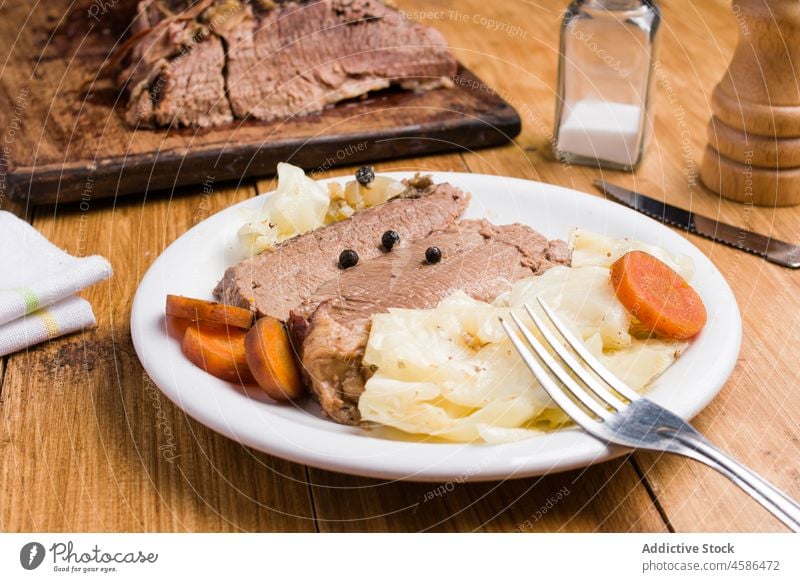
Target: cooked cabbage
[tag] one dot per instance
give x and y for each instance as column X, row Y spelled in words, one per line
column 567, row 290
column 300, row 205
column 591, row 248
column 381, row 189
column 451, row 372
column 447, row 371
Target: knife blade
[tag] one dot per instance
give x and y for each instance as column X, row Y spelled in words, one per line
column 773, row 250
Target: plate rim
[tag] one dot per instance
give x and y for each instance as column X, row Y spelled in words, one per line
column 522, row 459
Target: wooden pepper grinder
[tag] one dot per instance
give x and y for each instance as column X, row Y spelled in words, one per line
column 753, row 154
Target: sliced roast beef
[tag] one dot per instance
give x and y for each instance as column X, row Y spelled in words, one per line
column 303, row 57
column 273, row 283
column 332, row 326
column 176, row 71
column 203, row 62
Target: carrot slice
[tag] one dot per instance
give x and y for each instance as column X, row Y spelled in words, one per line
column 657, row 296
column 219, row 350
column 176, row 327
column 271, row 360
column 201, row 310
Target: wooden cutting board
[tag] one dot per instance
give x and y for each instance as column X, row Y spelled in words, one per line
column 65, row 138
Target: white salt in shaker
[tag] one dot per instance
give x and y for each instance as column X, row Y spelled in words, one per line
column 604, row 79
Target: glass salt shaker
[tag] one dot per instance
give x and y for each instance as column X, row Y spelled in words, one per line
column 604, row 78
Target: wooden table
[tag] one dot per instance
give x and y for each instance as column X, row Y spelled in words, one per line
column 87, row 442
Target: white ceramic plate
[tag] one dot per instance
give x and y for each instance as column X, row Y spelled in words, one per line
column 193, row 264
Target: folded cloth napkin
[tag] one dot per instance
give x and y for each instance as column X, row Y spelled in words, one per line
column 38, row 282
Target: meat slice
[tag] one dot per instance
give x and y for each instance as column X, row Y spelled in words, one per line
column 273, row 283
column 303, row 57
column 176, row 72
column 205, row 62
column 480, row 258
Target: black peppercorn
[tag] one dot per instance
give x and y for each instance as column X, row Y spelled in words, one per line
column 389, row 239
column 433, row 255
column 365, row 175
column 348, row 258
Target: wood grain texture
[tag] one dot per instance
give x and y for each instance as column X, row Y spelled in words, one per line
column 71, row 130
column 98, row 430
column 91, row 444
column 608, row 497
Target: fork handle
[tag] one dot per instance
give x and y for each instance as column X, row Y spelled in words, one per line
column 776, row 501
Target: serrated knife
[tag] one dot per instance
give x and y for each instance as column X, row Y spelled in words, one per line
column 773, row 250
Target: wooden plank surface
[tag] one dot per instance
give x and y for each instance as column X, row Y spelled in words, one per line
column 91, row 444
column 607, row 497
column 85, row 438
column 73, row 130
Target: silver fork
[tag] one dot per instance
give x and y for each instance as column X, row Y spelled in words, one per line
column 613, row 412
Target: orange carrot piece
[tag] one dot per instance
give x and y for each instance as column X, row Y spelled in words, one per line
column 176, row 327
column 202, row 310
column 658, row 296
column 271, row 360
column 219, row 350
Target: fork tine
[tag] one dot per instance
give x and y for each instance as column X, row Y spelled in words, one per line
column 590, row 360
column 560, row 372
column 604, row 394
column 572, row 410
